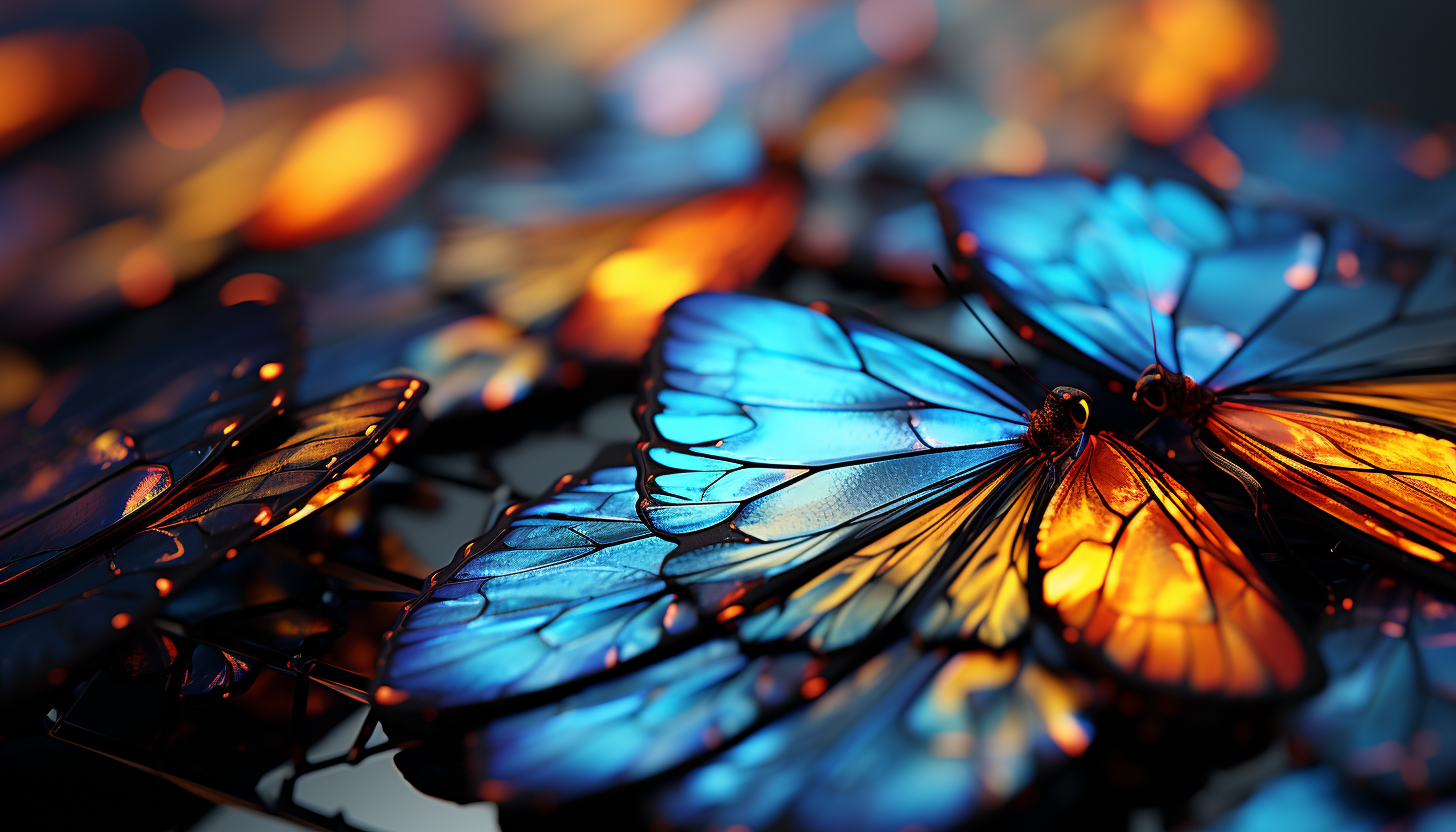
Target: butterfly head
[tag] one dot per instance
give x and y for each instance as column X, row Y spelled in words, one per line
column 1061, row 420
column 1163, row 392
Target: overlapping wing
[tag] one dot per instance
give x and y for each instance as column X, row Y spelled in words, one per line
column 1394, row 484
column 1138, row 571
column 915, row 739
column 567, row 587
column 828, row 474
column 1387, row 718
column 1239, row 296
column 51, row 629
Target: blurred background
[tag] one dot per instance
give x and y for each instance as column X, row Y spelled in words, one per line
column 502, row 196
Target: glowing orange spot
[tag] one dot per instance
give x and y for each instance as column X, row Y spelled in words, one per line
column 820, row 306
column 120, row 621
column 231, row 426
column 1115, row 386
column 144, row 277
column 1347, row 263
column 730, row 612
column 1172, row 453
column 718, row 242
column 1214, row 161
column 230, row 554
column 1392, row 629
column 263, row 516
column 967, row 243
column 277, row 399
column 56, row 675
column 897, row 31
column 1070, row 634
column 164, row 587
column 369, row 431
column 351, row 478
column 1025, row 331
column 813, row 687
column 182, row 109
column 1429, row 156
column 350, row 164
column 1300, row 276
column 253, row 286
column 270, row 371
column 386, row 695
column 669, row 616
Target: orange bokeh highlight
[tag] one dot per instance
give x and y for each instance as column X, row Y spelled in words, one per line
column 717, row 242
column 253, row 286
column 1430, row 156
column 145, row 276
column 182, row 109
column 897, row 31
column 52, row 75
column 351, row 163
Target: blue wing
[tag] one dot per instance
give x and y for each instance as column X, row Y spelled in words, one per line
column 1313, row 800
column 914, row 740
column 1237, row 295
column 1387, row 718
column 568, row 587
column 779, row 437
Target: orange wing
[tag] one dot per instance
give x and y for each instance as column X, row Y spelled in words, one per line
column 1431, row 399
column 1392, row 483
column 1137, row 568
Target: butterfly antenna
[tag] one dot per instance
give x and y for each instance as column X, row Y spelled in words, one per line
column 962, row 298
column 1146, row 428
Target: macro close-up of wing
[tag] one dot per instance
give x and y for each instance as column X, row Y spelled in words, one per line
column 1269, row 328
column 56, row 622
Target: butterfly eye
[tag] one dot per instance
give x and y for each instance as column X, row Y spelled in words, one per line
column 1086, row 412
column 1154, row 397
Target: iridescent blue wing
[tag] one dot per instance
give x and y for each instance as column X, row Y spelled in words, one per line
column 55, row 620
column 566, row 587
column 913, row 737
column 1238, row 296
column 1312, row 800
column 784, row 445
column 1387, row 718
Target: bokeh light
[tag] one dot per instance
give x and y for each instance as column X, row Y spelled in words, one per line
column 897, row 31
column 182, row 109
column 304, row 34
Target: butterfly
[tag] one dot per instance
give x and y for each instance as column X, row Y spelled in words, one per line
column 58, row 615
column 827, row 524
column 1319, row 357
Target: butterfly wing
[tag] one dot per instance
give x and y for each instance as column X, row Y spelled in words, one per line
column 50, row 629
column 782, row 444
column 1395, row 484
column 1387, row 719
column 1139, row 571
column 1239, row 296
column 568, row 587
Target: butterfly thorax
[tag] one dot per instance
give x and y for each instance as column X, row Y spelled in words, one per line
column 1166, row 393
column 1058, row 424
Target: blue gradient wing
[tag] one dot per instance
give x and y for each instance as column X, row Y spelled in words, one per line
column 1387, row 717
column 1237, row 295
column 566, row 587
column 914, row 739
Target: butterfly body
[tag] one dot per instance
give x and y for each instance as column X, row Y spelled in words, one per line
column 1166, row 393
column 1057, row 426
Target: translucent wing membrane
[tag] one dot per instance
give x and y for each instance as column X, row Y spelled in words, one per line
column 1237, row 295
column 105, row 441
column 913, row 739
column 784, row 422
column 1394, row 484
column 567, row 587
column 1387, row 718
column 1138, row 570
column 50, row 629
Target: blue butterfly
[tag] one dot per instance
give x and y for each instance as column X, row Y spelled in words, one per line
column 1319, row 356
column 821, row 558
